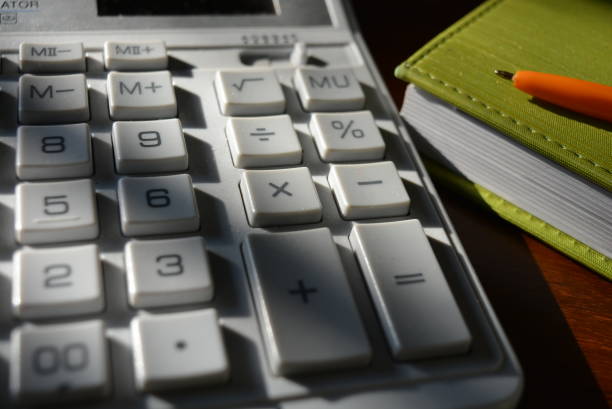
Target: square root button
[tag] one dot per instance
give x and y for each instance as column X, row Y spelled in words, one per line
column 248, row 92
column 369, row 190
column 280, row 197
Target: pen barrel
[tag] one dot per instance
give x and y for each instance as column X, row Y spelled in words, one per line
column 586, row 97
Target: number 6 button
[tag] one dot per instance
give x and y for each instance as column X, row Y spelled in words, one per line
column 168, row 272
column 157, row 205
column 57, row 282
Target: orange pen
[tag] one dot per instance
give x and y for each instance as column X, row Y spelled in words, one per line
column 586, row 97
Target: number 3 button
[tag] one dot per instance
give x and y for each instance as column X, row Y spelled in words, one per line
column 157, row 205
column 57, row 282
column 168, row 272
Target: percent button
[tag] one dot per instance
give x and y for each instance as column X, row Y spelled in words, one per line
column 346, row 137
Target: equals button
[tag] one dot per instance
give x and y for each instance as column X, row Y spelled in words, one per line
column 262, row 134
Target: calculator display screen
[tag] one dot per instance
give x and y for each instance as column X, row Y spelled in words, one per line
column 185, row 7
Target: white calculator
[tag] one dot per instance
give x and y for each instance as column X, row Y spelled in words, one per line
column 214, row 204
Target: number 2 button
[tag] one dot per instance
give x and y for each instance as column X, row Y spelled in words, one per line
column 57, row 282
column 157, row 205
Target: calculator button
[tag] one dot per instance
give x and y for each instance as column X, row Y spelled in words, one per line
column 329, row 89
column 157, row 205
column 142, row 95
column 57, row 282
column 369, row 190
column 53, row 99
column 280, row 197
column 249, row 93
column 53, row 152
column 168, row 272
column 263, row 141
column 309, row 319
column 135, row 56
column 59, row 362
column 149, row 146
column 47, row 58
column 347, row 137
column 414, row 303
column 178, row 350
column 53, row 212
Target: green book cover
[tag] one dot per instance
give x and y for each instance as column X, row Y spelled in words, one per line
column 565, row 37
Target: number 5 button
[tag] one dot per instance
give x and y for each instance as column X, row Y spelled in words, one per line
column 157, row 205
column 168, row 272
column 55, row 212
column 57, row 282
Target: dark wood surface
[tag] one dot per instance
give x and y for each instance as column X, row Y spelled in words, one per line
column 556, row 313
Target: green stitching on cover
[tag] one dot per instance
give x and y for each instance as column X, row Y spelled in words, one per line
column 513, row 120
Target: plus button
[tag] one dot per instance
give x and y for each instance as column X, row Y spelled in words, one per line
column 303, row 291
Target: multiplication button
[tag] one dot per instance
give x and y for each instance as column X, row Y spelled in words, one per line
column 146, row 95
column 280, row 197
column 53, row 99
column 263, row 141
column 347, row 136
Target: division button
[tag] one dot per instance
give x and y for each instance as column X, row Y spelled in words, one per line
column 248, row 92
column 143, row 95
column 51, row 58
column 329, row 89
column 57, row 282
column 369, row 190
column 414, row 303
column 53, row 152
column 178, row 350
column 263, row 141
column 53, row 99
column 168, row 272
column 59, row 363
column 349, row 136
column 308, row 316
column 280, row 197
column 135, row 56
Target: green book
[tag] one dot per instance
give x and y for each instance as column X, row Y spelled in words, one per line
column 565, row 37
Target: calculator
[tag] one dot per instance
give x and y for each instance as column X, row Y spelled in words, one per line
column 214, row 204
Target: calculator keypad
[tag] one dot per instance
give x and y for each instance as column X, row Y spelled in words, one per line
column 198, row 223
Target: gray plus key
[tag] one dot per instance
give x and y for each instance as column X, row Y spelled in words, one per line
column 309, row 318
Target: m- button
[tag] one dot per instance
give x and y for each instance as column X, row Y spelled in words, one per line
column 147, row 95
column 53, row 99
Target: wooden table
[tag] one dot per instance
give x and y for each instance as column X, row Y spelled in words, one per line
column 556, row 313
